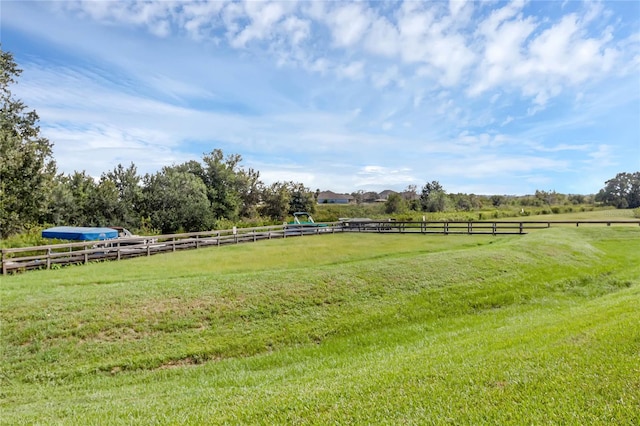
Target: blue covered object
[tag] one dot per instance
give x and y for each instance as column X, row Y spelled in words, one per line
column 80, row 233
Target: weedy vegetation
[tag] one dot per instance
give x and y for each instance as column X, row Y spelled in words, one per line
column 334, row 329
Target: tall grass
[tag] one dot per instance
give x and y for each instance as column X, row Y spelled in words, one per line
column 346, row 329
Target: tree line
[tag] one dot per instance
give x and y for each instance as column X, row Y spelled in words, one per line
column 434, row 198
column 193, row 196
column 196, row 195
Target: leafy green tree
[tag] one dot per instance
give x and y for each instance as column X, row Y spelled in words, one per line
column 550, row 198
column 27, row 168
column 249, row 188
column 71, row 200
column 275, row 201
column 104, row 207
column 623, row 191
column 176, row 200
column 233, row 192
column 61, row 204
column 497, row 200
column 410, row 195
column 82, row 187
column 577, row 199
column 223, row 184
column 433, row 197
column 302, row 199
column 78, row 200
column 394, row 204
column 127, row 183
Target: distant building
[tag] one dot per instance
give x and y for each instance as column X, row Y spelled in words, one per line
column 328, row 197
column 384, row 195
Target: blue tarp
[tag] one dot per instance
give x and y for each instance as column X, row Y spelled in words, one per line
column 80, row 233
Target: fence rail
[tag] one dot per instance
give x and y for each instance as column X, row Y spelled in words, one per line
column 48, row 256
column 460, row 227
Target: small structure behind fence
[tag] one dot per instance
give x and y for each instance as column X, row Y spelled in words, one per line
column 48, row 256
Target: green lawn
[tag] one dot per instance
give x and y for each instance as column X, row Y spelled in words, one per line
column 334, row 329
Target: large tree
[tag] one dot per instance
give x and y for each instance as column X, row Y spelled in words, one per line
column 275, row 201
column 71, row 200
column 223, row 182
column 127, row 183
column 433, row 197
column 394, row 204
column 302, row 199
column 623, row 191
column 176, row 200
column 27, row 167
column 249, row 188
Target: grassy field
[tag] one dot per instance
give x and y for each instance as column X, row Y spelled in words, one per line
column 334, row 329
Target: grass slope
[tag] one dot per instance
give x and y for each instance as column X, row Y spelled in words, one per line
column 345, row 329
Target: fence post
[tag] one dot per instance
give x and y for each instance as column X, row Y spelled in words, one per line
column 521, row 227
column 49, row 258
column 4, row 266
column 118, row 250
column 494, row 228
column 86, row 255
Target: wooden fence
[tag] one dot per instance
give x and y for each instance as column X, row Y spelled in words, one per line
column 48, row 256
column 459, row 227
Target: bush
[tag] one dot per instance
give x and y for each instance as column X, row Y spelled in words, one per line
column 31, row 236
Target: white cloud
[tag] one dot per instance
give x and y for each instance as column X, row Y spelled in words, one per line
column 383, row 38
column 198, row 17
column 297, row 29
column 152, row 15
column 263, row 17
column 428, row 40
column 348, row 24
column 455, row 6
column 540, row 60
column 502, row 52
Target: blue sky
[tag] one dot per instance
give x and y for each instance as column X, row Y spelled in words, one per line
column 485, row 97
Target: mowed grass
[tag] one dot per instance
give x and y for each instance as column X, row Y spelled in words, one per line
column 334, row 329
